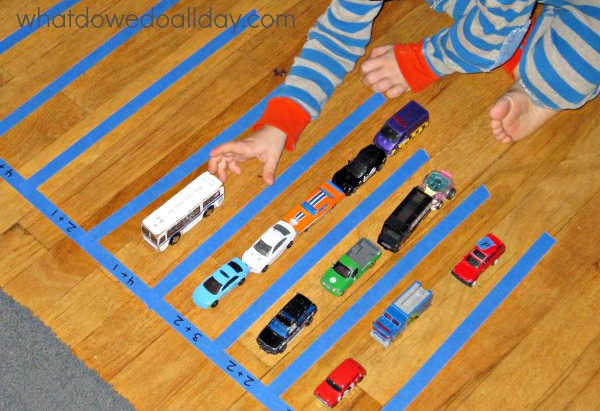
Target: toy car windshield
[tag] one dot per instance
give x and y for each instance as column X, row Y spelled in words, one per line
column 333, row 385
column 473, row 261
column 212, row 285
column 262, row 247
column 357, row 169
column 235, row 266
column 436, row 181
column 342, row 270
column 479, row 254
column 388, row 133
column 284, row 320
column 281, row 229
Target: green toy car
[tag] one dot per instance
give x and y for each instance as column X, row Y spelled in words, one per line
column 350, row 267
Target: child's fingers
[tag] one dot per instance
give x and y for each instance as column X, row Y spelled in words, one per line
column 373, row 77
column 239, row 148
column 378, row 51
column 269, row 169
column 233, row 166
column 396, row 91
column 213, row 162
column 382, row 85
column 370, row 65
column 221, row 169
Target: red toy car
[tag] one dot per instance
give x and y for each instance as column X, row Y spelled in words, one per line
column 486, row 252
column 340, row 381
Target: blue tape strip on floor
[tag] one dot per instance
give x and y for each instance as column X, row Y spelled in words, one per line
column 471, row 324
column 35, row 23
column 318, row 251
column 175, row 320
column 177, row 174
column 378, row 291
column 78, row 69
column 188, row 265
column 136, row 104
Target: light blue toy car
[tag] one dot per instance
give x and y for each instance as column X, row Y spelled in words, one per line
column 220, row 283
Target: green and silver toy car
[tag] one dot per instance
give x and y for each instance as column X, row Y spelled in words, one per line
column 350, row 267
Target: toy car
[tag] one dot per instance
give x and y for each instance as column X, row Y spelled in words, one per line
column 184, row 210
column 369, row 160
column 269, row 246
column 350, row 267
column 405, row 219
column 408, row 122
column 440, row 186
column 297, row 314
column 339, row 382
column 406, row 308
column 318, row 202
column 487, row 252
column 220, row 283
column 437, row 186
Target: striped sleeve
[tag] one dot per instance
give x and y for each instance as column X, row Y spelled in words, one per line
column 334, row 44
column 481, row 39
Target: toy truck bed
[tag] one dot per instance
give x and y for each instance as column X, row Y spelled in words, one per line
column 363, row 252
column 409, row 306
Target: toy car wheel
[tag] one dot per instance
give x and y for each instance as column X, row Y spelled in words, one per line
column 214, row 304
column 380, row 166
column 436, row 205
column 360, row 378
column 242, row 281
column 291, row 243
column 309, row 320
column 352, row 191
column 451, row 194
column 265, row 268
column 175, row 239
column 495, row 261
column 209, row 211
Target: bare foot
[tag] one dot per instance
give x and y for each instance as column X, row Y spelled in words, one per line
column 515, row 116
column 381, row 72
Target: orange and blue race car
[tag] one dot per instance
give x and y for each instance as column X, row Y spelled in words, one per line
column 318, row 202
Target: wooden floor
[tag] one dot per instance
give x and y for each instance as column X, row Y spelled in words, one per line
column 539, row 350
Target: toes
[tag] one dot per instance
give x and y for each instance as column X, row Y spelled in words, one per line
column 501, row 108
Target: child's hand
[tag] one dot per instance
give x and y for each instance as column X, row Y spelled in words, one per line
column 265, row 144
column 381, row 72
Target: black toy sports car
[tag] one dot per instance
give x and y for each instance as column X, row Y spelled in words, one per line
column 369, row 160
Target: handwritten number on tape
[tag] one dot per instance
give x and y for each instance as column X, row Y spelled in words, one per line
column 246, row 379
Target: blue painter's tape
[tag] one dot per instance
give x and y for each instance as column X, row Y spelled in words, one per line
column 180, row 272
column 175, row 320
column 378, row 291
column 78, row 69
column 35, row 24
column 177, row 174
column 471, row 324
column 318, row 251
column 134, row 105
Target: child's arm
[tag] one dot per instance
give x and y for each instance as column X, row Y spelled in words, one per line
column 334, row 44
column 485, row 35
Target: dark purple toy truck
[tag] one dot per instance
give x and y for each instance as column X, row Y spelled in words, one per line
column 409, row 121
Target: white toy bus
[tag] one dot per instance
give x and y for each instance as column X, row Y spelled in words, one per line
column 183, row 211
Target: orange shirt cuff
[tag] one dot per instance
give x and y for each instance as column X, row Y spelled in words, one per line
column 414, row 66
column 286, row 115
